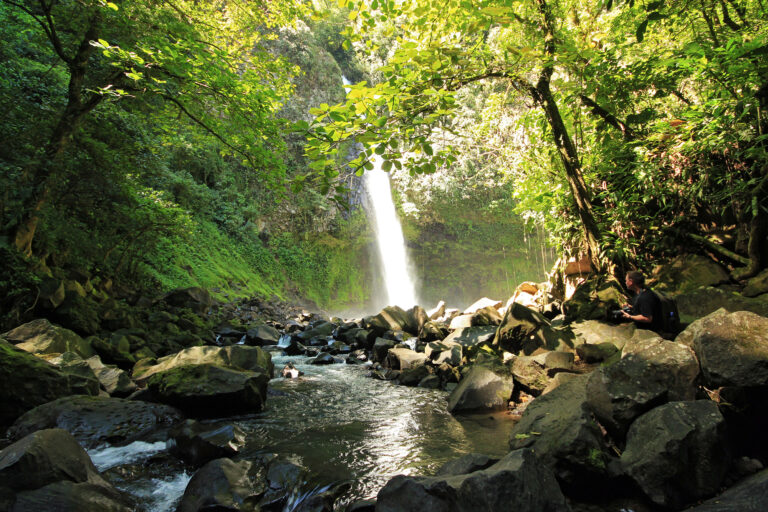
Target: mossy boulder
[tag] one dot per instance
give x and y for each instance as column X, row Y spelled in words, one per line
column 27, row 381
column 209, row 391
column 594, row 299
column 236, row 357
column 686, row 273
column 42, row 337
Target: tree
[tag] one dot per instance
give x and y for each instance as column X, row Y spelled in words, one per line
column 201, row 57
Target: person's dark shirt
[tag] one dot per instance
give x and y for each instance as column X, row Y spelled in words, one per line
column 648, row 304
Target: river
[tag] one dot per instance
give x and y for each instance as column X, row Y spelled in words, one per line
column 336, row 422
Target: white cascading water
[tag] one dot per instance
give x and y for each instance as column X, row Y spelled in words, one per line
column 395, row 267
column 389, row 239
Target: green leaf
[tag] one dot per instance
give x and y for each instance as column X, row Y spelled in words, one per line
column 640, row 32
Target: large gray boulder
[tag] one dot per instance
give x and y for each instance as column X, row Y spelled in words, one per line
column 433, row 331
column 262, row 335
column 653, row 373
column 381, row 348
column 404, row 359
column 561, row 430
column 198, row 443
column 394, row 318
column 236, row 357
column 27, row 381
column 749, row 495
column 677, row 453
column 81, row 376
column 483, row 388
column 529, row 372
column 48, row 470
column 206, row 390
column 95, row 420
column 732, row 348
column 225, row 485
column 594, row 332
column 517, row 482
column 42, row 337
column 525, row 331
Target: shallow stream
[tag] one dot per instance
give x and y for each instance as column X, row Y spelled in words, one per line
column 337, row 423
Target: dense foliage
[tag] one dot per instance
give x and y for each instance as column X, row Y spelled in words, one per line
column 628, row 128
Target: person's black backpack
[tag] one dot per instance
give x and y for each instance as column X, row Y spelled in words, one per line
column 671, row 318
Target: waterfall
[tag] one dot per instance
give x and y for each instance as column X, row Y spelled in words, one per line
column 395, row 266
column 389, row 239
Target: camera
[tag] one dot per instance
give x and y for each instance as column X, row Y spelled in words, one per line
column 617, row 315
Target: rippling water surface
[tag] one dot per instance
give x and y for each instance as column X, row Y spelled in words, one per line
column 340, row 424
column 334, row 421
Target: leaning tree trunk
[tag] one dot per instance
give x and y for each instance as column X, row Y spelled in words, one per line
column 42, row 174
column 542, row 94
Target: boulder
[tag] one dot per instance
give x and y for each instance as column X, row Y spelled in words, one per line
column 732, row 348
column 67, row 496
column 392, row 318
column 198, row 443
column 749, row 495
column 236, row 357
column 44, row 457
column 437, row 312
column 418, row 317
column 561, row 430
column 524, row 331
column 414, row 376
column 206, row 390
column 686, row 273
column 195, row 298
column 703, row 301
column 433, row 331
column 322, row 358
column 431, row 381
column 81, row 376
column 460, row 322
column 470, row 337
column 655, row 372
column 42, row 337
column 677, row 453
column 321, row 330
column 517, row 482
column 597, row 353
column 225, row 485
column 597, row 331
column 468, row 463
column 593, row 300
column 95, row 420
column 757, row 285
column 115, row 350
column 483, row 388
column 486, row 316
column 27, row 381
column 529, row 373
column 112, row 379
column 444, row 352
column 404, row 359
column 483, row 303
column 558, row 360
column 381, row 348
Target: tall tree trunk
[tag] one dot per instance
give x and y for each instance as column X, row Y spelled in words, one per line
column 542, row 94
column 42, row 174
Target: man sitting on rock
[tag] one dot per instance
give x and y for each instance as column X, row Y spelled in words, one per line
column 646, row 305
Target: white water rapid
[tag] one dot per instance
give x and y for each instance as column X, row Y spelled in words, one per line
column 389, row 239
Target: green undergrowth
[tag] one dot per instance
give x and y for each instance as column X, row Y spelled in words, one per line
column 209, row 258
column 329, row 271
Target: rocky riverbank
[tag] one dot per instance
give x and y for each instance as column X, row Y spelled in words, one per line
column 607, row 414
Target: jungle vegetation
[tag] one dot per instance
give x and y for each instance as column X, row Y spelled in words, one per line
column 210, row 143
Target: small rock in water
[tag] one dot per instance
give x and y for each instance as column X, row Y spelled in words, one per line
column 291, row 372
